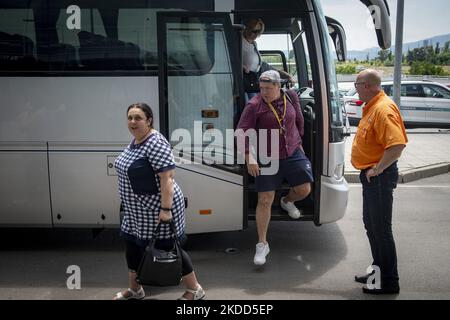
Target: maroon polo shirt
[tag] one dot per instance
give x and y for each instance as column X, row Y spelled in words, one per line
column 258, row 115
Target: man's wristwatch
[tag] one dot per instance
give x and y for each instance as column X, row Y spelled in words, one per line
column 166, row 209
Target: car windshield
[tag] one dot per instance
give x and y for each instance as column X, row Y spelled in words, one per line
column 351, row 92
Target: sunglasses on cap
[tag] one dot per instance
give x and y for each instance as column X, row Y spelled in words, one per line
column 265, row 79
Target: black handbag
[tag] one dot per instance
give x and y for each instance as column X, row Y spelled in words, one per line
column 251, row 81
column 160, row 267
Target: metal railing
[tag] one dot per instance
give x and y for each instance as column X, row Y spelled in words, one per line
column 439, row 79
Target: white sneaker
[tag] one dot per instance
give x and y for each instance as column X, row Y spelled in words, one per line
column 290, row 207
column 262, row 250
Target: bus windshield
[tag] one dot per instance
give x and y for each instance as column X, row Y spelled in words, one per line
column 336, row 118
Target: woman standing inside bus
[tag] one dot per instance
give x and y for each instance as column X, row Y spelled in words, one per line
column 146, row 204
column 251, row 58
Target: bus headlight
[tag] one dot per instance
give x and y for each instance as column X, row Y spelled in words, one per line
column 339, row 171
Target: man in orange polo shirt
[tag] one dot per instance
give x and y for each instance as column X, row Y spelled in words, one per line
column 378, row 143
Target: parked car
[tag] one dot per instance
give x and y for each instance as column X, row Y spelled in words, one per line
column 424, row 104
column 352, row 106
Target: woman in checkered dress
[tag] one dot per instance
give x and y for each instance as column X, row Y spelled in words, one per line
column 149, row 199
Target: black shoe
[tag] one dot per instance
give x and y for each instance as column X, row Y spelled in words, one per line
column 392, row 289
column 363, row 278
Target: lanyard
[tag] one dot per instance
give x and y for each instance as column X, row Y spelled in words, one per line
column 280, row 121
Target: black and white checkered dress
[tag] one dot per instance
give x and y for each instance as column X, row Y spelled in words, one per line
column 141, row 212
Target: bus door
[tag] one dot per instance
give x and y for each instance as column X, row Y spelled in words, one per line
column 198, row 98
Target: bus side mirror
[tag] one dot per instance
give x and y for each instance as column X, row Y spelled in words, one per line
column 379, row 10
column 337, row 34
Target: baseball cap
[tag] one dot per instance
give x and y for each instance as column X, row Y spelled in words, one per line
column 270, row 76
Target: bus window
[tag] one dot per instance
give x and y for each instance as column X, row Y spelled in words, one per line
column 192, row 49
column 305, row 80
column 61, row 55
column 286, row 55
column 200, row 82
column 275, row 59
column 17, row 39
column 92, row 22
column 113, row 37
column 272, row 46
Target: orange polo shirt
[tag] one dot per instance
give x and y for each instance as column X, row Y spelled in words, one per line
column 381, row 127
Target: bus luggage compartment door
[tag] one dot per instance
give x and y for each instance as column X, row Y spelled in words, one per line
column 24, row 192
column 215, row 198
column 83, row 194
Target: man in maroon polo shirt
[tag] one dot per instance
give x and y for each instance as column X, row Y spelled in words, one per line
column 272, row 110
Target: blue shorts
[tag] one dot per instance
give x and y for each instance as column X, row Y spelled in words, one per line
column 296, row 170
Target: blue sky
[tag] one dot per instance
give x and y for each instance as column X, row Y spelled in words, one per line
column 423, row 19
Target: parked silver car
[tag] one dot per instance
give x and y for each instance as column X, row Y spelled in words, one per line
column 424, row 104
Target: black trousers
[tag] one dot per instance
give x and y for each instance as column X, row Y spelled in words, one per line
column 377, row 217
column 134, row 254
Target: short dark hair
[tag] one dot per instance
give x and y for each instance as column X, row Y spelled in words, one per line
column 145, row 108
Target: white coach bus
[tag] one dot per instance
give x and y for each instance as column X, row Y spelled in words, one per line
column 69, row 69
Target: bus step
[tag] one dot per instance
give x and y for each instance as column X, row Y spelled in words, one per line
column 284, row 187
column 279, row 214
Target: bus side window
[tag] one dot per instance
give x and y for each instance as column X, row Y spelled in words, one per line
column 99, row 52
column 17, row 40
column 276, row 59
column 16, row 52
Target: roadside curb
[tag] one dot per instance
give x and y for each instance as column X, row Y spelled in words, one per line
column 409, row 175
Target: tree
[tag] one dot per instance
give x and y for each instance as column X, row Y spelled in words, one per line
column 345, row 68
column 434, row 55
column 430, row 55
column 426, row 68
column 420, row 54
column 437, row 50
column 383, row 55
column 410, row 57
column 444, row 58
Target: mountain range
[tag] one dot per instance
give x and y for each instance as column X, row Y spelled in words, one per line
column 373, row 52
